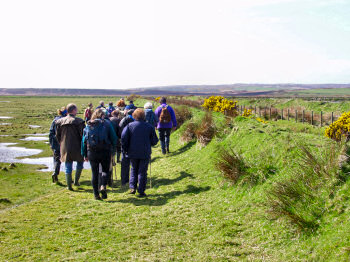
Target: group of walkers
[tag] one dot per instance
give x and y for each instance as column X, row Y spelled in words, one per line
column 109, row 135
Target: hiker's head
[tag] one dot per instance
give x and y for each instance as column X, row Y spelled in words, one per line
column 139, row 114
column 98, row 114
column 121, row 103
column 131, row 102
column 162, row 100
column 102, row 103
column 110, row 103
column 90, row 105
column 72, row 109
column 116, row 113
column 148, row 105
column 62, row 111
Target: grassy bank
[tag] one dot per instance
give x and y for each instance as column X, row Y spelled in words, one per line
column 191, row 214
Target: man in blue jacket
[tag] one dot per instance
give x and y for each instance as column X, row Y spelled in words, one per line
column 137, row 139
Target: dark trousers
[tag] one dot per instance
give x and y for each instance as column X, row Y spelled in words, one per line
column 119, row 150
column 96, row 158
column 125, row 169
column 164, row 137
column 139, row 174
column 56, row 162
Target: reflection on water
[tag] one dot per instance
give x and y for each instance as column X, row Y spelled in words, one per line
column 6, row 117
column 35, row 138
column 10, row 154
column 34, row 126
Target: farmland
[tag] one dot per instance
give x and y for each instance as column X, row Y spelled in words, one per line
column 193, row 211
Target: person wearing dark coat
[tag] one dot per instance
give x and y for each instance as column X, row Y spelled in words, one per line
column 55, row 146
column 69, row 134
column 125, row 164
column 115, row 121
column 138, row 138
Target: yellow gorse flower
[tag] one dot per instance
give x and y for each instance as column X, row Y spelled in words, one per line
column 340, row 128
column 247, row 112
column 221, row 104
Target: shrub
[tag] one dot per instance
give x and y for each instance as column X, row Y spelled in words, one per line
column 340, row 128
column 231, row 165
column 182, row 115
column 247, row 112
column 302, row 197
column 206, row 130
column 222, row 105
column 189, row 132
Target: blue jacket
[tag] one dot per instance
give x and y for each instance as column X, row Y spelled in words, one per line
column 151, row 117
column 172, row 123
column 137, row 139
column 52, row 135
column 130, row 106
column 111, row 136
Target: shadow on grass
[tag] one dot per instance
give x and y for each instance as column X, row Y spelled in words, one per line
column 161, row 199
column 183, row 149
column 157, row 182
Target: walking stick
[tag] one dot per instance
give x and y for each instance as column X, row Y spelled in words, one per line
column 150, row 172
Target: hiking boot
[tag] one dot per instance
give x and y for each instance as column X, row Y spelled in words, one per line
column 54, row 178
column 98, row 198
column 69, row 181
column 132, row 191
column 142, row 195
column 103, row 192
column 163, row 152
column 77, row 177
column 168, row 151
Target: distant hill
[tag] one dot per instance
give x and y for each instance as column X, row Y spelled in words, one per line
column 228, row 90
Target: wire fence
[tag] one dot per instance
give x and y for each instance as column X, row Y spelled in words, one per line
column 315, row 118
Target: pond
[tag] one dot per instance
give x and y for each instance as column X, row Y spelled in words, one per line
column 12, row 154
column 35, row 138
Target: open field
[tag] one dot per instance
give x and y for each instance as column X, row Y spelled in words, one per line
column 192, row 213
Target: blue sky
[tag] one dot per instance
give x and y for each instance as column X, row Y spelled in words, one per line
column 135, row 43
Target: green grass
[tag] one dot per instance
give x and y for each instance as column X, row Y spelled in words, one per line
column 191, row 214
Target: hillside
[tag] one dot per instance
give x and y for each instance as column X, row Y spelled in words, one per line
column 192, row 212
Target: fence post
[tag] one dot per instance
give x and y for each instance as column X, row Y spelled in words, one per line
column 321, row 118
column 296, row 116
column 332, row 118
column 255, row 110
column 241, row 109
column 259, row 111
column 288, row 113
column 282, row 114
column 312, row 118
column 270, row 112
column 303, row 116
column 265, row 115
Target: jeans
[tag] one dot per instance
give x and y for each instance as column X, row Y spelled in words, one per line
column 56, row 162
column 96, row 158
column 69, row 166
column 139, row 174
column 164, row 137
column 125, row 169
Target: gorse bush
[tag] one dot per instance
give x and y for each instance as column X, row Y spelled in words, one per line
column 247, row 112
column 182, row 114
column 222, row 105
column 231, row 165
column 302, row 197
column 340, row 128
column 206, row 130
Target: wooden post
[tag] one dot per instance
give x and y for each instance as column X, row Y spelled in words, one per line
column 288, row 114
column 332, row 118
column 270, row 112
column 265, row 115
column 255, row 110
column 259, row 111
column 282, row 114
column 321, row 119
column 296, row 116
column 241, row 109
column 303, row 116
column 312, row 118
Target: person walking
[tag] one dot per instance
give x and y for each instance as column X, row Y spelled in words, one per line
column 130, row 106
column 88, row 112
column 167, row 121
column 110, row 109
column 150, row 116
column 137, row 139
column 98, row 145
column 69, row 133
column 121, row 104
column 55, row 146
column 115, row 121
column 101, row 105
column 125, row 163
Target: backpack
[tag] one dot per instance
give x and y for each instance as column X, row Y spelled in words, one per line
column 87, row 113
column 165, row 116
column 96, row 137
column 151, row 118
